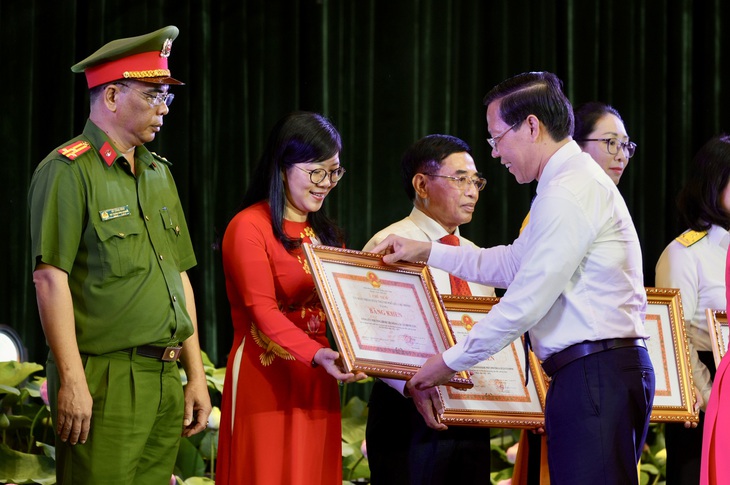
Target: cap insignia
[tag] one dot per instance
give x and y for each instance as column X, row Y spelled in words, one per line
column 74, row 149
column 166, row 48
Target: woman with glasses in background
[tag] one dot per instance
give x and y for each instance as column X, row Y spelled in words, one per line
column 600, row 132
column 281, row 406
column 694, row 262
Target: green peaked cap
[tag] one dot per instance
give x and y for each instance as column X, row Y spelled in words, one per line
column 143, row 58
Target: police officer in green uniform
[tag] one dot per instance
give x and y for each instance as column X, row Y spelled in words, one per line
column 111, row 248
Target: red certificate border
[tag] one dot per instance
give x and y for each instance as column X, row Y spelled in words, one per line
column 339, row 277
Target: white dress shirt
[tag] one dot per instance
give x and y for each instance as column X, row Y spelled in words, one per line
column 421, row 227
column 573, row 274
column 698, row 271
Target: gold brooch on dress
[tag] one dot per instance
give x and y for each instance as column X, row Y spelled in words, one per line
column 272, row 349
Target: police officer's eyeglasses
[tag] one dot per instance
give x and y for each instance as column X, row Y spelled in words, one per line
column 613, row 144
column 463, row 181
column 154, row 100
column 318, row 175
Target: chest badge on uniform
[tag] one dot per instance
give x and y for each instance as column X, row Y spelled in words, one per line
column 108, row 153
column 109, row 214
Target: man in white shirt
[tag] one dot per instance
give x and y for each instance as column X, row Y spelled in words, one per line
column 574, row 281
column 406, row 444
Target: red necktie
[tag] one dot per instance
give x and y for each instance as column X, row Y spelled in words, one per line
column 458, row 286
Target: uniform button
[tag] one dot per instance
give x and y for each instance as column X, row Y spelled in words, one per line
column 121, row 234
column 161, row 257
column 174, row 298
column 146, row 218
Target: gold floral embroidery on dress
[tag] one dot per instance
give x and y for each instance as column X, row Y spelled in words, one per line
column 305, row 264
column 272, row 349
column 308, row 232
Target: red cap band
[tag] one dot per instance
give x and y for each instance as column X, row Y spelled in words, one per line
column 137, row 66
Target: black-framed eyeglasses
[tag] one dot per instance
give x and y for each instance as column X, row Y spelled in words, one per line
column 461, row 182
column 154, row 100
column 613, row 144
column 493, row 141
column 318, row 175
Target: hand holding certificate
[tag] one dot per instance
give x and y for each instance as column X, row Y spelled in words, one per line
column 500, row 397
column 331, row 362
column 433, row 373
column 386, row 319
column 396, row 248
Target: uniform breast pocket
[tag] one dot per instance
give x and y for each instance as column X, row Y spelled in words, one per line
column 171, row 230
column 122, row 247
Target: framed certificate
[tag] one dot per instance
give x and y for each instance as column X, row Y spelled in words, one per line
column 387, row 319
column 718, row 328
column 674, row 398
column 499, row 397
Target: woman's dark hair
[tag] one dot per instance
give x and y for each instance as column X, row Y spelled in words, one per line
column 299, row 137
column 534, row 93
column 426, row 155
column 586, row 117
column 700, row 200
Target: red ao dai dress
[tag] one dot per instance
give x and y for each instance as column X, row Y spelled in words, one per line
column 280, row 419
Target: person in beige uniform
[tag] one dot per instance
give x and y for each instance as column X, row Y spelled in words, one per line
column 406, row 445
column 694, row 262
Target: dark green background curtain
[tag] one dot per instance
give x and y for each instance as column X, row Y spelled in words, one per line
column 386, row 72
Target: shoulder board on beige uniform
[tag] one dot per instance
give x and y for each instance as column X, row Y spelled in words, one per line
column 688, row 238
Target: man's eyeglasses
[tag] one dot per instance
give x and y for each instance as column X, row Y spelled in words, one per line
column 493, row 141
column 461, row 182
column 154, row 100
column 613, row 144
column 318, row 175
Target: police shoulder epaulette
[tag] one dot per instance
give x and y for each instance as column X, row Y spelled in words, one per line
column 74, row 149
column 160, row 158
column 688, row 238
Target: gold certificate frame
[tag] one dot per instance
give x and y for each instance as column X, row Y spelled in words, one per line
column 499, row 397
column 669, row 351
column 719, row 333
column 386, row 319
